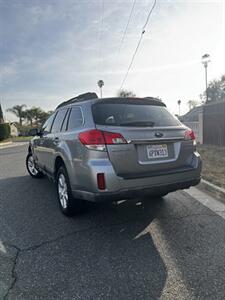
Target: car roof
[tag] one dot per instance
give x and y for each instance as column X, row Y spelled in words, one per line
column 79, row 98
column 93, row 98
column 131, row 100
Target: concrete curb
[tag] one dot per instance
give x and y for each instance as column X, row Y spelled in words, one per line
column 13, row 145
column 210, row 187
column 5, row 144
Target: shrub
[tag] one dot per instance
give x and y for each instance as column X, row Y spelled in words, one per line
column 24, row 129
column 4, row 131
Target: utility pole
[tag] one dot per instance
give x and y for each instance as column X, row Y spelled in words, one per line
column 205, row 61
column 100, row 85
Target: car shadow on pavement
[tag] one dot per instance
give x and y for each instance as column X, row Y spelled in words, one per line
column 102, row 254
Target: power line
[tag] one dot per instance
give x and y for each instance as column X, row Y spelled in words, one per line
column 139, row 42
column 132, row 60
column 127, row 25
column 124, row 32
column 149, row 14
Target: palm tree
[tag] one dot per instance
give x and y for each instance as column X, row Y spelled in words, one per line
column 100, row 84
column 30, row 115
column 179, row 103
column 37, row 114
column 18, row 111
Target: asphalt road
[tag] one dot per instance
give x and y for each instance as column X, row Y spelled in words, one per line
column 170, row 248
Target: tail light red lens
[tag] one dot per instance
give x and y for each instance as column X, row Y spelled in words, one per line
column 101, row 181
column 189, row 135
column 97, row 139
column 92, row 137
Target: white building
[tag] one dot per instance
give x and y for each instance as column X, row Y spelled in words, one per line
column 13, row 129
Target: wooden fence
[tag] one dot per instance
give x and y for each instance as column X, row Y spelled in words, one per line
column 214, row 123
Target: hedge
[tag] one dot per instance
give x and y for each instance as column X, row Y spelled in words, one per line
column 4, row 131
column 24, row 129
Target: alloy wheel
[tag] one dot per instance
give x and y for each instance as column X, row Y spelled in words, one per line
column 31, row 166
column 63, row 190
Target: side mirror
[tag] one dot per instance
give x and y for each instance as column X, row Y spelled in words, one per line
column 34, row 132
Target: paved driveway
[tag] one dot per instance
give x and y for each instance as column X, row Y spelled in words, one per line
column 171, row 248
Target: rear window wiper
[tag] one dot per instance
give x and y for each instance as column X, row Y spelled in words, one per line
column 138, row 123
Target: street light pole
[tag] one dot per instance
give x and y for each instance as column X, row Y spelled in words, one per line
column 205, row 61
column 206, row 82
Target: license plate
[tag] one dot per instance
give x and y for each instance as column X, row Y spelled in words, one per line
column 157, row 151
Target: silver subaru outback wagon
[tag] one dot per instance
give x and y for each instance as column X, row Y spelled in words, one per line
column 112, row 149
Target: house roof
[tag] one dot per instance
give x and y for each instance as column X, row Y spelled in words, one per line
column 192, row 115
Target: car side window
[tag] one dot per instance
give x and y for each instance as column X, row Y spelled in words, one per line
column 57, row 124
column 65, row 122
column 46, row 128
column 75, row 118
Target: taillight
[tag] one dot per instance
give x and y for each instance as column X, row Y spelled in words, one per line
column 91, row 137
column 97, row 140
column 189, row 135
column 113, row 138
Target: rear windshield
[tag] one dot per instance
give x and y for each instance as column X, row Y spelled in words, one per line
column 132, row 115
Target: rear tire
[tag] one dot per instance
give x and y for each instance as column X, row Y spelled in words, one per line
column 161, row 195
column 67, row 203
column 31, row 168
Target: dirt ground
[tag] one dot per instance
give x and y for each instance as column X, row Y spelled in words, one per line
column 213, row 158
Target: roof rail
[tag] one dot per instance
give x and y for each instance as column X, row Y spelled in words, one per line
column 82, row 97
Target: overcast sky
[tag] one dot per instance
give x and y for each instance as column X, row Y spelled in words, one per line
column 52, row 50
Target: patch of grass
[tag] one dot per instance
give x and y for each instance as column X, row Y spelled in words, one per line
column 21, row 138
column 213, row 158
column 17, row 139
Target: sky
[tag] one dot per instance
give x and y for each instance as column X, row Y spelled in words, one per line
column 53, row 50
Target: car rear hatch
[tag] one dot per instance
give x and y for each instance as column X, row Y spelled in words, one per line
column 155, row 141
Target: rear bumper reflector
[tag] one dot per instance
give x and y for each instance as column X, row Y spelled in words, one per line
column 101, row 181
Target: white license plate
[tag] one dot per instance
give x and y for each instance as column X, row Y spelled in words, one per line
column 157, row 151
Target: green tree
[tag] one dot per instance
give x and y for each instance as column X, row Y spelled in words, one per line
column 43, row 116
column 216, row 90
column 192, row 103
column 37, row 115
column 125, row 93
column 30, row 115
column 19, row 112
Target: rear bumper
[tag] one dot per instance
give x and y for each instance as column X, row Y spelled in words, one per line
column 119, row 188
column 135, row 192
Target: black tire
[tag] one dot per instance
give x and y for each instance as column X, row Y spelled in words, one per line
column 155, row 195
column 35, row 173
column 69, row 206
column 161, row 195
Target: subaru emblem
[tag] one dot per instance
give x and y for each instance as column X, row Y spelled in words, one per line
column 158, row 134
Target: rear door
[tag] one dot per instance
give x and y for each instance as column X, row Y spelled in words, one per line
column 53, row 140
column 40, row 143
column 155, row 139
